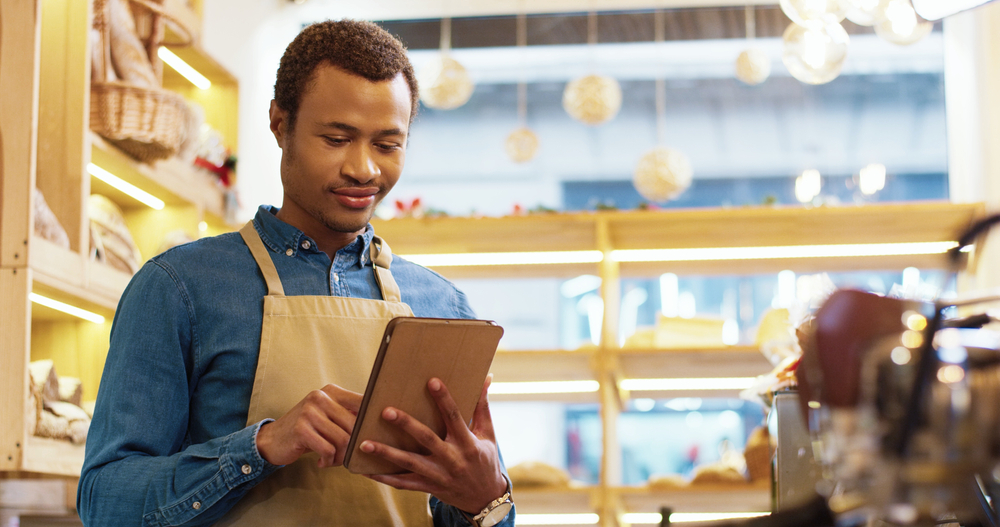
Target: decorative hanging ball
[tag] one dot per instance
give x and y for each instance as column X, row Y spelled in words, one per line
column 815, row 55
column 753, row 66
column 445, row 84
column 815, row 13
column 901, row 24
column 662, row 174
column 866, row 12
column 522, row 145
column 593, row 99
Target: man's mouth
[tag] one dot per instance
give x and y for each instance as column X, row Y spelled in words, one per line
column 356, row 197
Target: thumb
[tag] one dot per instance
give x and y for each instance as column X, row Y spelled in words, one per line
column 482, row 421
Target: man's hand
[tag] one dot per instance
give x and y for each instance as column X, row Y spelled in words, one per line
column 321, row 423
column 463, row 469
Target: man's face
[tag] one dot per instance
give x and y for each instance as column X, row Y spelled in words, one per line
column 346, row 150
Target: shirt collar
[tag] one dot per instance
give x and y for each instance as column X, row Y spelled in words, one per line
column 281, row 237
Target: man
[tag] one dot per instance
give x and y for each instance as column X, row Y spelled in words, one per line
column 219, row 408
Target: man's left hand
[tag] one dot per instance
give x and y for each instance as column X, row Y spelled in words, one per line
column 463, row 469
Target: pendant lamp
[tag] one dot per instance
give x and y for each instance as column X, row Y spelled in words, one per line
column 592, row 99
column 662, row 173
column 522, row 143
column 753, row 66
column 445, row 84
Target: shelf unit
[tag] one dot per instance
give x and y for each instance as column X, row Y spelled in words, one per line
column 47, row 143
column 609, row 231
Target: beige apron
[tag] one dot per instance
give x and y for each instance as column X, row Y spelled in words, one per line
column 306, row 343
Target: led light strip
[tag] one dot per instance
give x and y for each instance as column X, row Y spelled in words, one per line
column 519, row 388
column 775, row 252
column 634, row 518
column 519, row 258
column 558, row 519
column 183, row 68
column 684, row 255
column 707, row 383
column 66, row 308
column 135, row 192
column 646, row 518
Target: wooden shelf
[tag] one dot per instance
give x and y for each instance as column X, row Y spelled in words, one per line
column 52, row 456
column 751, row 497
column 679, row 229
column 171, row 180
column 632, row 363
column 67, row 276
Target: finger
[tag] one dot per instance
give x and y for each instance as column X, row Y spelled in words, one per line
column 346, row 398
column 324, row 436
column 452, row 417
column 419, row 431
column 408, row 461
column 482, row 420
column 406, row 482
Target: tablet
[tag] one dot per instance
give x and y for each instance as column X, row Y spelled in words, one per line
column 414, row 350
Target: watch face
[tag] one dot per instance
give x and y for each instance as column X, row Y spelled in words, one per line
column 496, row 515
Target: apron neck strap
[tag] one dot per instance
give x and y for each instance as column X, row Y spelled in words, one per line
column 381, row 258
column 263, row 257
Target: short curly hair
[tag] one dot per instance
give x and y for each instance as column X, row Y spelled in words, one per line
column 359, row 47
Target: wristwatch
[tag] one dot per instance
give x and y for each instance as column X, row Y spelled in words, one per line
column 496, row 511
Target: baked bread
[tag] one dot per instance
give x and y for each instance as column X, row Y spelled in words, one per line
column 717, row 474
column 758, row 453
column 667, row 481
column 537, row 474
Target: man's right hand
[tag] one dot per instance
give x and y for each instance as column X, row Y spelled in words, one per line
column 321, row 422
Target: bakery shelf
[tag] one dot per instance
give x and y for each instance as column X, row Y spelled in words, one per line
column 52, row 456
column 171, row 180
column 751, row 497
column 685, row 229
column 67, row 276
column 732, row 361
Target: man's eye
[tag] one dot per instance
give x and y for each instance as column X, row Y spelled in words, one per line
column 387, row 147
column 336, row 141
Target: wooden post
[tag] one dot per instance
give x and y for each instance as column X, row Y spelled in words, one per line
column 607, row 375
column 64, row 115
column 20, row 23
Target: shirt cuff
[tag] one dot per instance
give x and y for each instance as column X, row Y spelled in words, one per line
column 240, row 461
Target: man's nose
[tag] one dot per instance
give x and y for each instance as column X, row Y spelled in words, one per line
column 360, row 165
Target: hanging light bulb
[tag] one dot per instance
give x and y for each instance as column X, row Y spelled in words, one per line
column 901, row 24
column 445, row 84
column 814, row 13
column 871, row 178
column 808, row 185
column 815, row 55
column 753, row 66
column 866, row 12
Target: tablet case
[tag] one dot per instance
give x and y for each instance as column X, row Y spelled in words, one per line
column 413, row 350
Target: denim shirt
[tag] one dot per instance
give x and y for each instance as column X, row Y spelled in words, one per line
column 169, row 443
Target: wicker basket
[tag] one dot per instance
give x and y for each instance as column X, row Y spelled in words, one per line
column 147, row 123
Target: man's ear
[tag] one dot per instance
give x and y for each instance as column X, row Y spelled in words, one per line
column 279, row 123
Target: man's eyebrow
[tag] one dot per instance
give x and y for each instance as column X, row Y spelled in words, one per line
column 354, row 129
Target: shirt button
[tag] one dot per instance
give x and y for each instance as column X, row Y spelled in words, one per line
column 246, row 469
column 196, row 505
column 306, row 244
column 289, row 252
column 336, row 277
